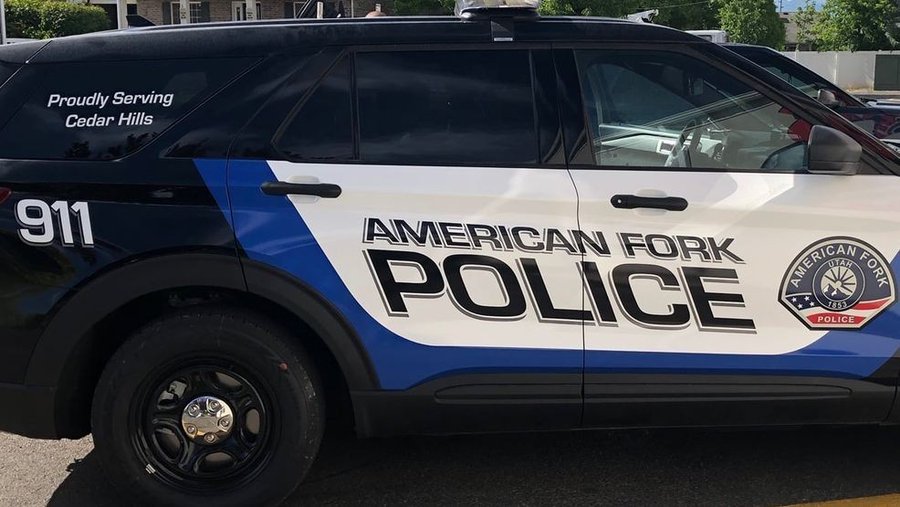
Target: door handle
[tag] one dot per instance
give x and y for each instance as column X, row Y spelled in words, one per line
column 324, row 190
column 635, row 201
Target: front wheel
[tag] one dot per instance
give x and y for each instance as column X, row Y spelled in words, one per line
column 208, row 405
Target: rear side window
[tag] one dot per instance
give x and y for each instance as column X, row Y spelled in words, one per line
column 322, row 128
column 106, row 110
column 446, row 107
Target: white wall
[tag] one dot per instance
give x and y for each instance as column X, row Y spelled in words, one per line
column 850, row 71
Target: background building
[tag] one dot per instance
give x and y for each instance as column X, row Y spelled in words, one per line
column 236, row 10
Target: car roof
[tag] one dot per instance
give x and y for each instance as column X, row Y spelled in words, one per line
column 263, row 37
column 736, row 45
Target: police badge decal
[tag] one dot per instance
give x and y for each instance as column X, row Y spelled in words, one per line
column 838, row 283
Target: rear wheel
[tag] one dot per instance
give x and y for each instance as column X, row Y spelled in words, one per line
column 208, row 405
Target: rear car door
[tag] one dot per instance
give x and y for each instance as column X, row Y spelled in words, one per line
column 422, row 193
column 739, row 288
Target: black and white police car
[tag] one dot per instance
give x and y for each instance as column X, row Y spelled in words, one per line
column 216, row 238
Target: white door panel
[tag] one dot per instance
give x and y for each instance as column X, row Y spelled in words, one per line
column 771, row 218
column 455, row 197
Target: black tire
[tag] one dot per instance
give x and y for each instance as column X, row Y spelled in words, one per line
column 242, row 358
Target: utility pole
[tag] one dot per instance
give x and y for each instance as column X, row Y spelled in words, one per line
column 2, row 23
column 121, row 13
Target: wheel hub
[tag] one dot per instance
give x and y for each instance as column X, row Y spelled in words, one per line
column 207, row 420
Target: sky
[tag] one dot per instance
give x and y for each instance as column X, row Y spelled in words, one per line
column 792, row 5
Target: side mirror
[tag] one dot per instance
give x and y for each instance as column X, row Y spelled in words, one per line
column 833, row 152
column 827, row 98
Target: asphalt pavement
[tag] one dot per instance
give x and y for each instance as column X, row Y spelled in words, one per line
column 671, row 467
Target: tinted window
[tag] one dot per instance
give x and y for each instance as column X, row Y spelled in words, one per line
column 321, row 129
column 107, row 110
column 775, row 64
column 446, row 107
column 658, row 109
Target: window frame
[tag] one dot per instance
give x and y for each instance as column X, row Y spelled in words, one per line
column 574, row 154
column 235, row 3
column 175, row 11
column 554, row 157
column 288, row 119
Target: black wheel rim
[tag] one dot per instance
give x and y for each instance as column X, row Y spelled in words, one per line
column 174, row 457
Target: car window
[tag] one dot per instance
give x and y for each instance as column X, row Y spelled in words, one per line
column 321, row 129
column 106, row 110
column 446, row 107
column 777, row 65
column 665, row 109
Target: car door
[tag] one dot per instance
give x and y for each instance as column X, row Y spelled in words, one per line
column 422, row 193
column 739, row 288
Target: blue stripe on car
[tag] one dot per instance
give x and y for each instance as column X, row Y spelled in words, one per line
column 271, row 231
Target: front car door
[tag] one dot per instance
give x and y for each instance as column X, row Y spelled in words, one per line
column 416, row 191
column 739, row 289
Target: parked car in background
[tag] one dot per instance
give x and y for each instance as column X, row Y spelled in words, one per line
column 882, row 121
column 17, row 40
column 717, row 36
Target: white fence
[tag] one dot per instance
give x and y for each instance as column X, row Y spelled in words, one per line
column 850, row 71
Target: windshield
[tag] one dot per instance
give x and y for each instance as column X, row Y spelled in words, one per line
column 794, row 73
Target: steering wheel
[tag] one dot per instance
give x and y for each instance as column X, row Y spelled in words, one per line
column 680, row 155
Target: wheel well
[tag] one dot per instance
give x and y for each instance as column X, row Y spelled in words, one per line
column 104, row 338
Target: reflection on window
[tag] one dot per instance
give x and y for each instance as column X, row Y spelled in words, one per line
column 446, row 107
column 322, row 128
column 658, row 109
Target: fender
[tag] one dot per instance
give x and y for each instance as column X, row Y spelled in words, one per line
column 59, row 355
column 326, row 321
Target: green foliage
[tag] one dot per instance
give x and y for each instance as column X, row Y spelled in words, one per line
column 752, row 22
column 675, row 13
column 606, row 8
column 807, row 19
column 857, row 25
column 424, row 7
column 42, row 19
column 687, row 15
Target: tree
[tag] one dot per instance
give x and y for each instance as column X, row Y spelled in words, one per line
column 608, row 8
column 687, row 15
column 857, row 25
column 807, row 18
column 41, row 19
column 752, row 22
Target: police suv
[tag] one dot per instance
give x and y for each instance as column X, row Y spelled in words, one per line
column 216, row 238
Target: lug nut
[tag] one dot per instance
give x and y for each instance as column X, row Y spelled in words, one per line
column 225, row 423
column 209, row 438
column 191, row 429
column 214, row 405
column 193, row 410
